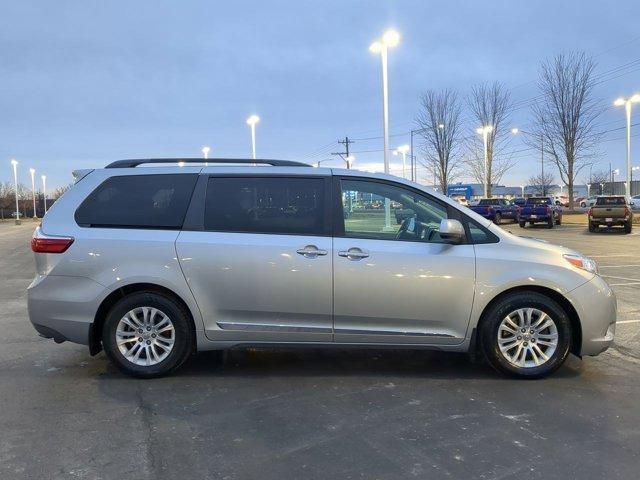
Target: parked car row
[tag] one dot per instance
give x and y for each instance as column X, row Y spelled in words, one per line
column 604, row 211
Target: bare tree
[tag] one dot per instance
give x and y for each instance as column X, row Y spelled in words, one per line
column 490, row 105
column 564, row 117
column 7, row 199
column 540, row 183
column 439, row 124
column 599, row 176
column 58, row 192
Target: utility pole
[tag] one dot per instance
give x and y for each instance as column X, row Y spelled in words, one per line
column 345, row 155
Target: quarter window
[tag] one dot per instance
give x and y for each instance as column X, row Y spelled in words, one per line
column 265, row 205
column 138, row 201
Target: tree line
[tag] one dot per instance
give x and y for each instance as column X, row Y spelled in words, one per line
column 563, row 129
column 25, row 200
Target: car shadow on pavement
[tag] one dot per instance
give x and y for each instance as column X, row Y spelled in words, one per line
column 336, row 362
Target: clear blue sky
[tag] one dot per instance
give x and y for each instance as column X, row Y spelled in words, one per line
column 83, row 83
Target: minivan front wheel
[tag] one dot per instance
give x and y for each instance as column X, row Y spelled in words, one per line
column 147, row 335
column 526, row 334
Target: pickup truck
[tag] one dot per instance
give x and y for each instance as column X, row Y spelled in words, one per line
column 610, row 211
column 540, row 209
column 496, row 209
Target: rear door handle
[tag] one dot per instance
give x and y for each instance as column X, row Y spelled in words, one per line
column 354, row 253
column 310, row 251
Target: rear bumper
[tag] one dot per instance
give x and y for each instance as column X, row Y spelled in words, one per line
column 63, row 308
column 596, row 306
column 613, row 222
column 537, row 218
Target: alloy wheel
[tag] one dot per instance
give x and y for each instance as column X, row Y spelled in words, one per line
column 527, row 337
column 145, row 336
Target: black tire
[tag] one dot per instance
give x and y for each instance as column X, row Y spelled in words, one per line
column 184, row 341
column 583, row 205
column 551, row 222
column 497, row 218
column 522, row 224
column 592, row 227
column 559, row 220
column 509, row 303
column 628, row 227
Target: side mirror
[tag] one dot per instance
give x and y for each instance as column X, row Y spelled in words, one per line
column 451, row 230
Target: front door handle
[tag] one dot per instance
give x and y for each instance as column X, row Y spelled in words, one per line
column 354, row 253
column 310, row 251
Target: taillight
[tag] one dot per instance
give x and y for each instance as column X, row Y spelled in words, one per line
column 627, row 212
column 590, row 212
column 41, row 243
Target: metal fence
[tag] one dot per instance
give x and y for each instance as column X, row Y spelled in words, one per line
column 614, row 188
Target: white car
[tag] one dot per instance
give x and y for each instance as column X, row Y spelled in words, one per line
column 589, row 202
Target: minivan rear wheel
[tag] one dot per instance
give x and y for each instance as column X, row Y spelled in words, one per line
column 526, row 334
column 147, row 335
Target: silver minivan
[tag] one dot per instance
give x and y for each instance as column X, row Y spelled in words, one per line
column 152, row 260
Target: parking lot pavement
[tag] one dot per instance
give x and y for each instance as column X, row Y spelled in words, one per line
column 315, row 414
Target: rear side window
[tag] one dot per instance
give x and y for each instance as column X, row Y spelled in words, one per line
column 138, row 201
column 294, row 206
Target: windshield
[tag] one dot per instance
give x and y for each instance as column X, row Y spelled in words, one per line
column 611, row 201
column 538, row 201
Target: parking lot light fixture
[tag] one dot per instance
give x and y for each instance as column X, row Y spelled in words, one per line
column 627, row 102
column 349, row 159
column 485, row 131
column 389, row 39
column 44, row 192
column 14, row 163
column 32, row 171
column 515, row 131
column 252, row 121
column 205, row 154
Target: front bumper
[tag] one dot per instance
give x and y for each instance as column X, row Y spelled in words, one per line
column 596, row 306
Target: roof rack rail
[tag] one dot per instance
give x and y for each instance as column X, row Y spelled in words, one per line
column 246, row 161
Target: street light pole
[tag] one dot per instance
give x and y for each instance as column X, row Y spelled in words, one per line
column 44, row 192
column 390, row 38
column 251, row 121
column 627, row 107
column 403, row 149
column 15, row 179
column 32, row 171
column 484, row 131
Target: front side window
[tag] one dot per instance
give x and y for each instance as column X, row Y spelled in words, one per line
column 293, row 206
column 412, row 216
column 138, row 201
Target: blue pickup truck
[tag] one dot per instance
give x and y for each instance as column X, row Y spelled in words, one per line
column 496, row 209
column 541, row 210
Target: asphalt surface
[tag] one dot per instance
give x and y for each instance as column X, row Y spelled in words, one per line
column 313, row 414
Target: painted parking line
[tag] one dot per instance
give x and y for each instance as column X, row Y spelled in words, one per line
column 623, row 284
column 628, row 321
column 622, row 278
column 618, row 266
column 614, row 255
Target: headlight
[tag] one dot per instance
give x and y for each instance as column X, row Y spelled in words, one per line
column 581, row 262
